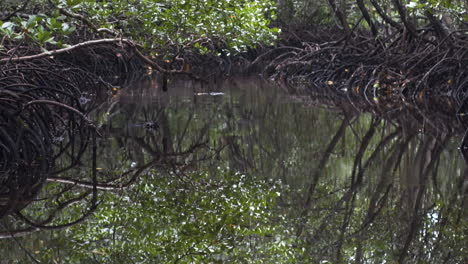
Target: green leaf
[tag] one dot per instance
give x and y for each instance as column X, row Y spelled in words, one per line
column 8, row 25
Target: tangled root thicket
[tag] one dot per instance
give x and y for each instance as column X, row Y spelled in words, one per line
column 383, row 76
column 46, row 136
column 43, row 106
column 113, row 63
column 412, row 68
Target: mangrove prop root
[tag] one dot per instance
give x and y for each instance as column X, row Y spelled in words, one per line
column 380, row 75
column 43, row 126
column 33, row 131
column 47, row 138
column 372, row 66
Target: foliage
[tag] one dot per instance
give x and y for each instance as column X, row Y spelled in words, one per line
column 40, row 29
column 455, row 9
column 210, row 26
column 304, row 12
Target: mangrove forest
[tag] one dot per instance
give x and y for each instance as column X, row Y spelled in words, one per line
column 234, row 131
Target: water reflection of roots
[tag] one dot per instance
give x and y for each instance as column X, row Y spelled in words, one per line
column 406, row 180
column 43, row 114
column 71, row 193
column 44, row 127
column 383, row 76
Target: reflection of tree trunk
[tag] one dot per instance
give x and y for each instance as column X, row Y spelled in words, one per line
column 143, row 145
column 236, row 153
column 349, row 209
column 355, row 183
column 349, row 195
column 380, row 194
column 415, row 171
column 414, row 177
column 359, row 252
column 357, row 167
column 323, row 161
column 446, row 214
column 137, row 151
column 181, row 136
column 166, row 134
column 464, row 191
column 319, row 170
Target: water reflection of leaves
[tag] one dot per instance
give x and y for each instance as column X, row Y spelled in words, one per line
column 379, row 190
column 211, row 217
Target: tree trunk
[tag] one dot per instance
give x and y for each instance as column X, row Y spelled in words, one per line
column 441, row 32
column 340, row 15
column 402, row 13
column 366, row 15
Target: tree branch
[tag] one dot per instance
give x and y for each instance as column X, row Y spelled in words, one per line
column 65, row 50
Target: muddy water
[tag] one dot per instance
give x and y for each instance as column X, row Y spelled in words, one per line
column 244, row 171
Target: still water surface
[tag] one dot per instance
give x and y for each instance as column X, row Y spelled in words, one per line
column 244, row 171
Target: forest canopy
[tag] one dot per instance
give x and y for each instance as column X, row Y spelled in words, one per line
column 230, row 26
column 170, row 31
column 152, row 24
